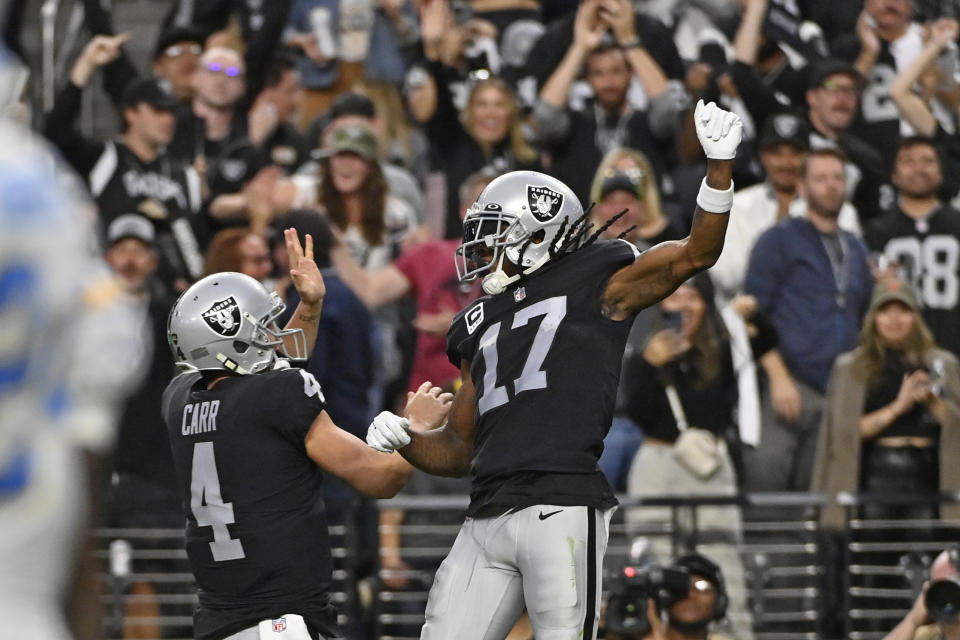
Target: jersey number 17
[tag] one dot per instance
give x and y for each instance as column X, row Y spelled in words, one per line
column 532, row 376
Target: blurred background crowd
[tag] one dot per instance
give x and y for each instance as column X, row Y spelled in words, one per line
column 820, row 353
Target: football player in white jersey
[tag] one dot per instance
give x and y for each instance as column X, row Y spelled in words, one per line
column 70, row 347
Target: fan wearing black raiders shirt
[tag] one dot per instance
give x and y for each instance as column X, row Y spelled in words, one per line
column 134, row 174
column 540, row 360
column 921, row 236
column 887, row 38
column 250, row 438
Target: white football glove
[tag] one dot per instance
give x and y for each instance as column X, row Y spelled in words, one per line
column 719, row 131
column 388, row 432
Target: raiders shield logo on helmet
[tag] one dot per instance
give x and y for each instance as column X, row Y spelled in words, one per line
column 544, row 203
column 223, row 317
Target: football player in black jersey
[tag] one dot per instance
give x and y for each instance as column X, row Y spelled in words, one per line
column 250, row 437
column 540, row 359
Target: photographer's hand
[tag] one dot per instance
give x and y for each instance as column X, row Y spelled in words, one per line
column 657, row 632
column 916, row 618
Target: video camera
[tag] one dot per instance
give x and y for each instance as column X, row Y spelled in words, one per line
column 634, row 587
column 943, row 600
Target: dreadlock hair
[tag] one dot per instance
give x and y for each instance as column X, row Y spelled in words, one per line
column 558, row 240
column 523, row 249
column 569, row 240
column 606, row 225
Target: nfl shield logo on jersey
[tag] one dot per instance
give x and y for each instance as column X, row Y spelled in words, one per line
column 544, row 203
column 519, row 294
column 279, row 625
column 223, row 317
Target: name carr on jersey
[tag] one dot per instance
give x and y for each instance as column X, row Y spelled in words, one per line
column 200, row 417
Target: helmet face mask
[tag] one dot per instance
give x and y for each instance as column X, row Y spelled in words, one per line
column 518, row 218
column 227, row 321
column 485, row 235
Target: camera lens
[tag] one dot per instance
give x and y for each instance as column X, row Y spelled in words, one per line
column 943, row 600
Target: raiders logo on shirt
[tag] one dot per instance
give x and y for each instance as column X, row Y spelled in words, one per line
column 544, row 203
column 223, row 317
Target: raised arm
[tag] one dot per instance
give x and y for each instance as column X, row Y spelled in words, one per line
column 660, row 270
column 59, row 128
column 443, row 452
column 587, row 33
column 436, row 20
column 869, row 44
column 911, row 106
column 309, row 284
column 746, row 42
column 618, row 14
column 550, row 116
column 120, row 72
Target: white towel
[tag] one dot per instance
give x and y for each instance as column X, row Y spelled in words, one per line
column 748, row 403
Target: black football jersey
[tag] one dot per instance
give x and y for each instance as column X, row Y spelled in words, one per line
column 879, row 119
column 256, row 534
column 165, row 192
column 545, row 363
column 928, row 252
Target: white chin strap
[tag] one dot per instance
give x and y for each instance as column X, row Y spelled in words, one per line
column 497, row 281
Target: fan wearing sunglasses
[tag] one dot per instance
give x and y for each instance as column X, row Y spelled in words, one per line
column 175, row 56
column 204, row 131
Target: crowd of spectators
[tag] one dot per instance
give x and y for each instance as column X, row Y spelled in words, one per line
column 373, row 124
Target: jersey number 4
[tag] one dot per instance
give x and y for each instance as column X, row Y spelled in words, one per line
column 208, row 506
column 532, row 376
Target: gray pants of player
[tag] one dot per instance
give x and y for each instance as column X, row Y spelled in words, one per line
column 547, row 558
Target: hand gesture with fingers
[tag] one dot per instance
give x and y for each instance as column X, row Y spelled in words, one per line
column 99, row 51
column 103, row 50
column 588, row 30
column 618, row 15
column 436, row 20
column 914, row 388
column 944, row 30
column 303, row 269
column 867, row 32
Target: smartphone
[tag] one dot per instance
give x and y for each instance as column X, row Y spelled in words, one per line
column 672, row 320
column 462, row 11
